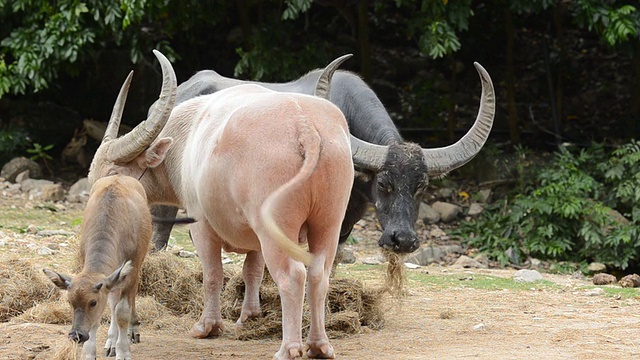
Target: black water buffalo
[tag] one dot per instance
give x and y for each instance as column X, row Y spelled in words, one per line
column 401, row 170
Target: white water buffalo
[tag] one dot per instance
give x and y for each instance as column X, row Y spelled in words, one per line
column 115, row 237
column 261, row 171
column 398, row 173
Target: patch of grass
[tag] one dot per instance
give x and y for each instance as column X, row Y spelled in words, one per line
column 622, row 293
column 19, row 218
column 180, row 237
column 475, row 281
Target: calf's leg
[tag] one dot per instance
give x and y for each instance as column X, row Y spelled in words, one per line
column 123, row 316
column 112, row 334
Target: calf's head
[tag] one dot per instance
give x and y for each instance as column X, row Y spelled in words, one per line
column 87, row 294
column 399, row 174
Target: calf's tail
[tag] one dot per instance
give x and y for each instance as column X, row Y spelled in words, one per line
column 309, row 139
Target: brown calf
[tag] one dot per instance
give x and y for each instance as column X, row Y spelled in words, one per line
column 114, row 240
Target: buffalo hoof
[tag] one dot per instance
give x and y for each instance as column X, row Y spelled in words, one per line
column 204, row 329
column 247, row 315
column 320, row 350
column 290, row 352
column 110, row 352
column 134, row 335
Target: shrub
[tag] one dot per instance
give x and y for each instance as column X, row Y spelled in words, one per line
column 568, row 212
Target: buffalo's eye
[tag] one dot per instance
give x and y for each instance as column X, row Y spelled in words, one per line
column 383, row 186
column 93, row 303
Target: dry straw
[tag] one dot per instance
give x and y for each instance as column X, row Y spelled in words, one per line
column 170, row 298
column 22, row 286
column 396, row 279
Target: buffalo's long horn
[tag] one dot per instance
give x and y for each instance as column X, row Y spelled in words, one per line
column 129, row 146
column 364, row 154
column 116, row 115
column 323, row 87
column 439, row 161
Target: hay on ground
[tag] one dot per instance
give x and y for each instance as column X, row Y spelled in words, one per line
column 349, row 307
column 57, row 312
column 175, row 283
column 68, row 350
column 21, row 287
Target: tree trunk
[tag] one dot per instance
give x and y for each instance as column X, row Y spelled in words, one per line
column 512, row 111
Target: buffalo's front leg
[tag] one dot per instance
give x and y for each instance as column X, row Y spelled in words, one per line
column 162, row 230
column 208, row 246
column 252, row 273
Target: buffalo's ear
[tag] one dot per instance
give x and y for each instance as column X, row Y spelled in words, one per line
column 156, row 153
column 118, row 276
column 60, row 280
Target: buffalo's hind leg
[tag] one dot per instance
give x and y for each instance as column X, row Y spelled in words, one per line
column 322, row 244
column 290, row 277
column 252, row 273
column 209, row 248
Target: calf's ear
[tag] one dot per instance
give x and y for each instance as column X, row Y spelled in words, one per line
column 156, row 153
column 60, row 280
column 117, row 277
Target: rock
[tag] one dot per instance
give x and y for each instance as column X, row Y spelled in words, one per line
column 371, row 261
column 484, row 196
column 628, row 281
column 3, row 242
column 425, row 255
column 186, row 254
column 535, row 263
column 445, row 193
column 436, row 232
column 452, row 249
column 22, row 176
column 526, row 275
column 53, row 192
column 595, row 268
column 79, row 191
column 53, row 246
column 594, row 292
column 475, row 209
column 32, row 229
column 479, row 327
column 467, row 262
column 513, row 256
column 43, row 250
column 18, row 165
column 409, row 265
column 482, row 259
column 347, row 256
column 34, row 184
column 448, row 212
column 428, row 214
column 603, row 279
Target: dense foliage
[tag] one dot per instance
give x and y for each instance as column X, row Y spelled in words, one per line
column 583, row 207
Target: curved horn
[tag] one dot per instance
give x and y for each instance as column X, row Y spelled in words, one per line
column 324, row 82
column 116, row 115
column 442, row 160
column 129, row 146
column 367, row 155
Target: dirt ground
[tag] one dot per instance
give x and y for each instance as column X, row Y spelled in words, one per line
column 435, row 321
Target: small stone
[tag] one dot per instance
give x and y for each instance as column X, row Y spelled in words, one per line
column 411, row 265
column 53, row 246
column 467, row 262
column 3, row 242
column 594, row 292
column 53, row 192
column 475, row 209
column 347, row 256
column 371, row 261
column 32, row 229
column 428, row 214
column 630, row 281
column 526, row 275
column 479, row 327
column 186, row 254
column 484, row 196
column 603, row 279
column 45, row 251
column 448, row 212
